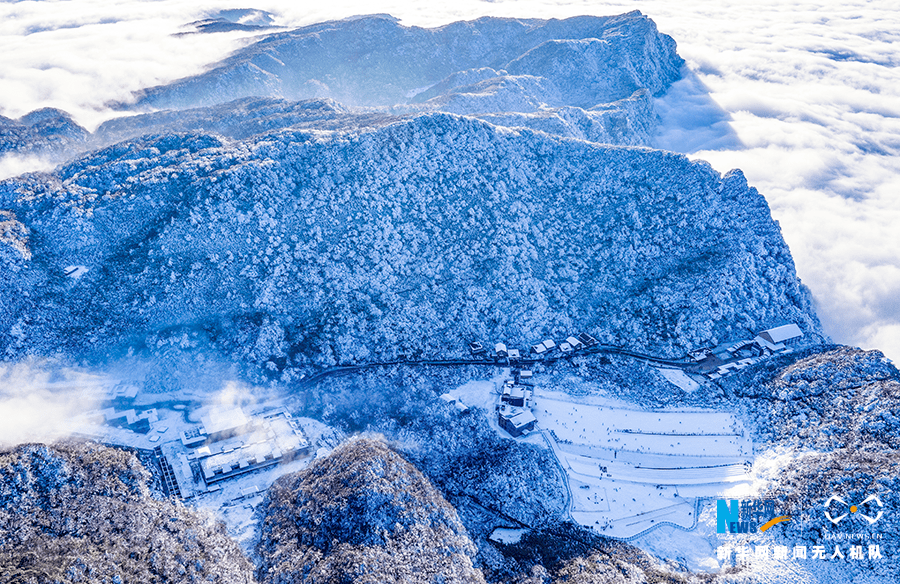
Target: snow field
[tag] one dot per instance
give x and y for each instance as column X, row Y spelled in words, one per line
column 481, row 393
column 697, row 434
column 629, row 470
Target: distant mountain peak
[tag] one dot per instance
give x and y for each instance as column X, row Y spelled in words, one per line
column 373, row 60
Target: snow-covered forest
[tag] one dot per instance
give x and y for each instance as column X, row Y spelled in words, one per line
column 301, row 248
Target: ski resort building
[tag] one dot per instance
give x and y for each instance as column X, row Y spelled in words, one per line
column 570, row 344
column 516, row 421
column 228, row 444
column 775, row 338
column 129, row 419
column 217, row 425
column 121, row 396
column 502, row 351
column 455, row 402
column 736, row 355
column 225, row 423
column 574, row 343
column 544, row 347
column 514, row 410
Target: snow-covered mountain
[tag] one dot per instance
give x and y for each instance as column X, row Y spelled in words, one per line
column 590, row 78
column 45, row 131
column 362, row 514
column 371, row 61
column 587, row 77
column 408, row 238
column 78, row 512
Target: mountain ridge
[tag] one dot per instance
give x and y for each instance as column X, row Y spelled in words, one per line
column 376, row 61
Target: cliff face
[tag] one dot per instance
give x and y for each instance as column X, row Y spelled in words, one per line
column 411, row 238
column 83, row 513
column 361, row 514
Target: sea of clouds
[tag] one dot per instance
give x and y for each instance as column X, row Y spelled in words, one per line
column 804, row 97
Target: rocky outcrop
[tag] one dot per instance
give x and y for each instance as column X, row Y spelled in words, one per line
column 83, row 513
column 828, row 398
column 361, row 514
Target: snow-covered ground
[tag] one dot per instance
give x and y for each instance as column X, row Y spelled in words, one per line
column 481, row 393
column 679, row 378
column 507, row 535
column 630, row 469
column 607, row 426
column 235, row 507
column 485, row 394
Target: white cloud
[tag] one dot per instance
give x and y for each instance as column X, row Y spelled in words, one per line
column 822, row 145
column 14, row 165
column 40, row 402
column 79, row 55
column 813, row 90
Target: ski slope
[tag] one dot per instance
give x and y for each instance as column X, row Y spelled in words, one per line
column 629, row 470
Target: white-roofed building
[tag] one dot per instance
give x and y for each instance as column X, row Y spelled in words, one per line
column 222, row 423
column 237, row 445
column 781, row 334
column 517, row 421
column 574, row 343
column 517, row 396
column 455, row 402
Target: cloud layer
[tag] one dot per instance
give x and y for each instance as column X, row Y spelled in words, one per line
column 811, row 91
column 814, row 95
column 40, row 402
